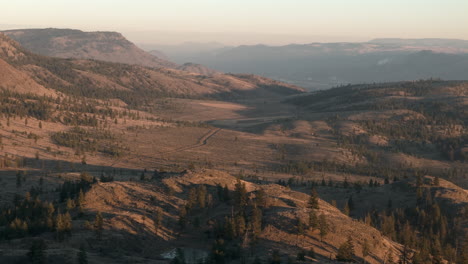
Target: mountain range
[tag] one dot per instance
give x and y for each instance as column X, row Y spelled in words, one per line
column 324, row 65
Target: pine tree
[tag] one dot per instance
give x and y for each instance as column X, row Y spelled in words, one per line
column 386, row 181
column 50, row 216
column 257, row 260
column 98, row 225
column 346, row 251
column 67, row 223
column 260, row 197
column 59, row 226
column 240, row 196
column 229, row 228
column 226, row 195
column 463, row 256
column 82, row 256
column 313, row 220
column 275, row 257
column 70, row 204
column 346, row 209
column 351, row 203
column 313, row 199
column 201, row 196
column 179, row 257
column 301, row 227
column 240, row 225
column 365, row 249
column 436, row 181
column 37, row 254
column 323, row 226
column 182, row 217
column 346, row 183
column 158, row 215
column 256, row 222
column 80, row 199
column 219, row 252
column 301, row 255
column 19, row 179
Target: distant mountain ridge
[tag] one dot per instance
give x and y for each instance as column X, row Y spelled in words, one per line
column 324, row 65
column 25, row 72
column 72, row 43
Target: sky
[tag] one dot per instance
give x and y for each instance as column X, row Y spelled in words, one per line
column 237, row 22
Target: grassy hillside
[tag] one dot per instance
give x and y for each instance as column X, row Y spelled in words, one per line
column 120, row 163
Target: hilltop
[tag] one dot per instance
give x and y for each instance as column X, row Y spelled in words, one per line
column 77, row 44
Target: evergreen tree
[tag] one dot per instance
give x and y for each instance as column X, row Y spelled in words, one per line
column 201, row 196
column 60, row 226
column 365, row 249
column 301, row 227
column 301, row 255
column 81, row 198
column 240, row 225
column 275, row 257
column 436, row 181
column 67, row 223
column 346, row 183
column 219, row 252
column 182, row 217
column 346, row 209
column 37, row 254
column 229, row 228
column 70, row 204
column 260, row 197
column 82, row 256
column 226, row 195
column 179, row 257
column 346, row 251
column 256, row 222
column 158, row 216
column 257, row 260
column 313, row 219
column 98, row 225
column 463, row 257
column 351, row 203
column 323, row 226
column 313, row 199
column 240, row 196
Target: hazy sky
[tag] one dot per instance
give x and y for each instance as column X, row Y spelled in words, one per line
column 246, row 21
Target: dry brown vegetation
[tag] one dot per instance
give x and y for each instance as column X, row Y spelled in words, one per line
column 380, row 145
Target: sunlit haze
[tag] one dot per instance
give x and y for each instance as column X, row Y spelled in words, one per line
column 246, row 21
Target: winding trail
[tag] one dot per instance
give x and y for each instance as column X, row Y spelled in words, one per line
column 201, row 141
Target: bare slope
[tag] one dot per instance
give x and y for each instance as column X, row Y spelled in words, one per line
column 130, row 209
